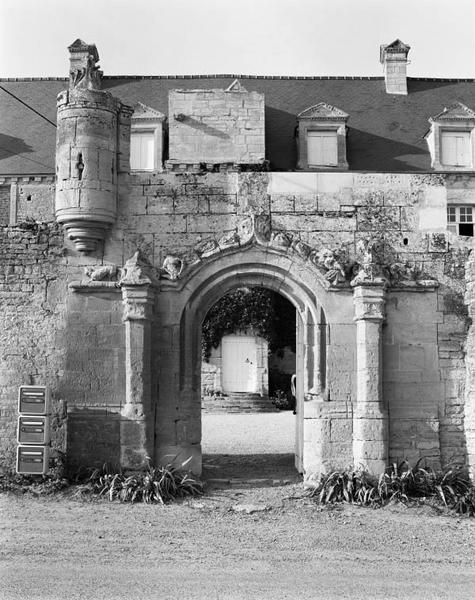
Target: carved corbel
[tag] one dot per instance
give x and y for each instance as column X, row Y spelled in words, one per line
column 138, row 271
column 330, row 265
column 370, row 270
column 138, row 284
column 173, row 267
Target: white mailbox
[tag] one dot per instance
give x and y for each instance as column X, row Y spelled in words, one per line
column 33, row 430
column 33, row 400
column 32, row 460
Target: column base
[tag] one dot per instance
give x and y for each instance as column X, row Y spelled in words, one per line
column 135, row 449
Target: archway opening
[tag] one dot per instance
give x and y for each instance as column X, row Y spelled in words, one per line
column 250, row 267
column 248, row 391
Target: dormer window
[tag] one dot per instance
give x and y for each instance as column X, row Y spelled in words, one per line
column 322, row 148
column 455, row 148
column 451, row 139
column 142, row 150
column 146, row 139
column 322, row 138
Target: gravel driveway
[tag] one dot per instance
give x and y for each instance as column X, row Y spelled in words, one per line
column 209, row 548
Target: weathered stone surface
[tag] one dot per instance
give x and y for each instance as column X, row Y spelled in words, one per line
column 216, row 126
column 76, row 341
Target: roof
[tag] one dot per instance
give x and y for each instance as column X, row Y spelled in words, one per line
column 385, row 131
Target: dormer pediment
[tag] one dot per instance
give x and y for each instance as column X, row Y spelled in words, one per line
column 236, row 86
column 143, row 112
column 323, row 111
column 454, row 112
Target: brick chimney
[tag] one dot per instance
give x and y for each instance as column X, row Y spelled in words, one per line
column 394, row 59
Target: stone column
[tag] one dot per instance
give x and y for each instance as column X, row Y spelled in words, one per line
column 370, row 417
column 137, row 426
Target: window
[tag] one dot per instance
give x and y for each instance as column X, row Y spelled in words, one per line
column 321, row 139
column 460, row 220
column 451, row 139
column 322, row 148
column 142, row 150
column 455, row 148
column 146, row 139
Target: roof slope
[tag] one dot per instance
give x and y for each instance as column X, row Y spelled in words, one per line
column 385, row 132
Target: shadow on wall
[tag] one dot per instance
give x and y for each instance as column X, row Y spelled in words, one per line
column 206, row 129
column 93, row 438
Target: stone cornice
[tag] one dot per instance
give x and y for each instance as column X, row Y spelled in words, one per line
column 27, row 179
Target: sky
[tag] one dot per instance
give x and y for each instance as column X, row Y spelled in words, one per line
column 257, row 37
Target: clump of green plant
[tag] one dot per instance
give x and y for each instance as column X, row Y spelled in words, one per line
column 37, row 485
column 283, row 400
column 238, row 310
column 263, row 311
column 154, row 485
column 353, row 487
column 449, row 487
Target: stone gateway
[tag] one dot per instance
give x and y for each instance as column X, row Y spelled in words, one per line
column 353, row 198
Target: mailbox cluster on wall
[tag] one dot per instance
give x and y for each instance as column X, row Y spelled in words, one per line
column 33, row 430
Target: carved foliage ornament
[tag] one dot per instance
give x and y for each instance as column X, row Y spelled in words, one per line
column 329, row 262
column 370, row 267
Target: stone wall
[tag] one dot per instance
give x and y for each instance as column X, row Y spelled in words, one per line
column 216, row 127
column 34, row 201
column 4, row 205
column 32, row 324
column 74, row 341
column 94, row 376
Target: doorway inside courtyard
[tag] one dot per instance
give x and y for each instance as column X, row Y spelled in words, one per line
column 248, row 388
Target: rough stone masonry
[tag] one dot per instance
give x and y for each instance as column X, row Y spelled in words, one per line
column 107, row 274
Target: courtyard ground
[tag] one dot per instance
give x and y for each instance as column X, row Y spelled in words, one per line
column 249, row 446
column 259, row 543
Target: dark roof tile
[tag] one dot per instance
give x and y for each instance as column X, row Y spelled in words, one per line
column 385, row 132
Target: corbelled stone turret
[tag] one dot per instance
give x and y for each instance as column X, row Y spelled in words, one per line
column 87, row 151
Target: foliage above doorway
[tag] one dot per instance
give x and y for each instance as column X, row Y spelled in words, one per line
column 263, row 311
column 243, row 309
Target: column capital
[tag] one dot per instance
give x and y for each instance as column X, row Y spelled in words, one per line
column 138, row 302
column 369, row 301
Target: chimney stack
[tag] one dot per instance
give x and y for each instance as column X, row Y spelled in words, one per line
column 394, row 59
column 83, row 72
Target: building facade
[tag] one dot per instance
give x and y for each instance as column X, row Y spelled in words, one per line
column 130, row 205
